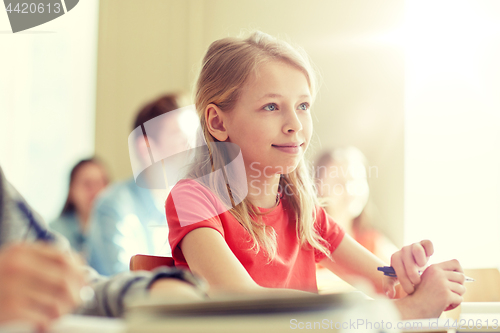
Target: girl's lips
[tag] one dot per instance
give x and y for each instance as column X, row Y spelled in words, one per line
column 290, row 149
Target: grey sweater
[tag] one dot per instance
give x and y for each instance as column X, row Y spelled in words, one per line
column 110, row 292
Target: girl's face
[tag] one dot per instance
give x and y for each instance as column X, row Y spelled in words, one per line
column 271, row 121
column 89, row 180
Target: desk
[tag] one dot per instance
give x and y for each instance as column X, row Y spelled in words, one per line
column 73, row 324
column 360, row 317
column 378, row 316
column 473, row 317
column 371, row 312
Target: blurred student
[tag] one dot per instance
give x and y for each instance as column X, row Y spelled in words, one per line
column 87, row 178
column 341, row 177
column 40, row 280
column 129, row 219
column 257, row 227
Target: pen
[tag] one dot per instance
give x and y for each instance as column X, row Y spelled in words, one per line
column 389, row 271
column 41, row 233
column 87, row 293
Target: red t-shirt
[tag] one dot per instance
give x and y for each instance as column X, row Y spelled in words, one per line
column 191, row 205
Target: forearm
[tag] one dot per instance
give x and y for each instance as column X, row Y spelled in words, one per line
column 351, row 261
column 215, row 292
column 111, row 293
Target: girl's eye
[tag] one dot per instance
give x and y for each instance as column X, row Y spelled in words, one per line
column 271, row 107
column 304, row 106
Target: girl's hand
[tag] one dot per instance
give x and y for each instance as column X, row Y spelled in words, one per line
column 407, row 263
column 442, row 288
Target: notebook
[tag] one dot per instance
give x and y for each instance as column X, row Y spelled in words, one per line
column 243, row 304
column 258, row 314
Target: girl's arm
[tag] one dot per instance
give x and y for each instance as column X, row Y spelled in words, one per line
column 439, row 288
column 350, row 258
column 209, row 256
column 350, row 261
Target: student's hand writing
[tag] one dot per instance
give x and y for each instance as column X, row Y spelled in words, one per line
column 407, row 263
column 441, row 288
column 38, row 283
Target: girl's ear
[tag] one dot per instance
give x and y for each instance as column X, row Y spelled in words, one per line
column 215, row 122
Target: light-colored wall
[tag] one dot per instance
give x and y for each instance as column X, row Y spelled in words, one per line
column 141, row 53
column 47, row 100
column 147, row 49
column 452, row 118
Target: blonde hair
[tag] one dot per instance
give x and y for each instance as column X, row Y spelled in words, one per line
column 227, row 65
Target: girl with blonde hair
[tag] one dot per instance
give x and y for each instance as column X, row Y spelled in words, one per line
column 247, row 218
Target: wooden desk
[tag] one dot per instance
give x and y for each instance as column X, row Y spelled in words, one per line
column 473, row 317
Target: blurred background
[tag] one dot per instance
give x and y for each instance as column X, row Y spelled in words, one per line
column 413, row 84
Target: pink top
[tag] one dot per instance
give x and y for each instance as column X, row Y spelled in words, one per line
column 294, row 265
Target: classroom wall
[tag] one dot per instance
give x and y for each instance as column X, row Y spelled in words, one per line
column 47, row 100
column 146, row 48
column 452, row 183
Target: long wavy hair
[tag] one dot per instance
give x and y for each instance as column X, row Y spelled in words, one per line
column 226, row 67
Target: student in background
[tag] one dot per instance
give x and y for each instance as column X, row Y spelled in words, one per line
column 40, row 280
column 87, row 178
column 128, row 219
column 253, row 98
column 341, row 177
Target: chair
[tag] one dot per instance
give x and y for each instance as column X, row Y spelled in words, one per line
column 142, row 262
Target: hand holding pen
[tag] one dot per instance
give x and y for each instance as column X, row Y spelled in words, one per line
column 38, row 281
column 440, row 286
column 87, row 294
column 407, row 264
column 389, row 271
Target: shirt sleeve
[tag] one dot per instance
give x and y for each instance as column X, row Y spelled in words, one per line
column 329, row 230
column 110, row 292
column 190, row 206
column 113, row 293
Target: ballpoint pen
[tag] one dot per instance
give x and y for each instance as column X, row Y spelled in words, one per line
column 87, row 293
column 389, row 271
column 42, row 234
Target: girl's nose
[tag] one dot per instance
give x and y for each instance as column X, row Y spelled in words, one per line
column 292, row 123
